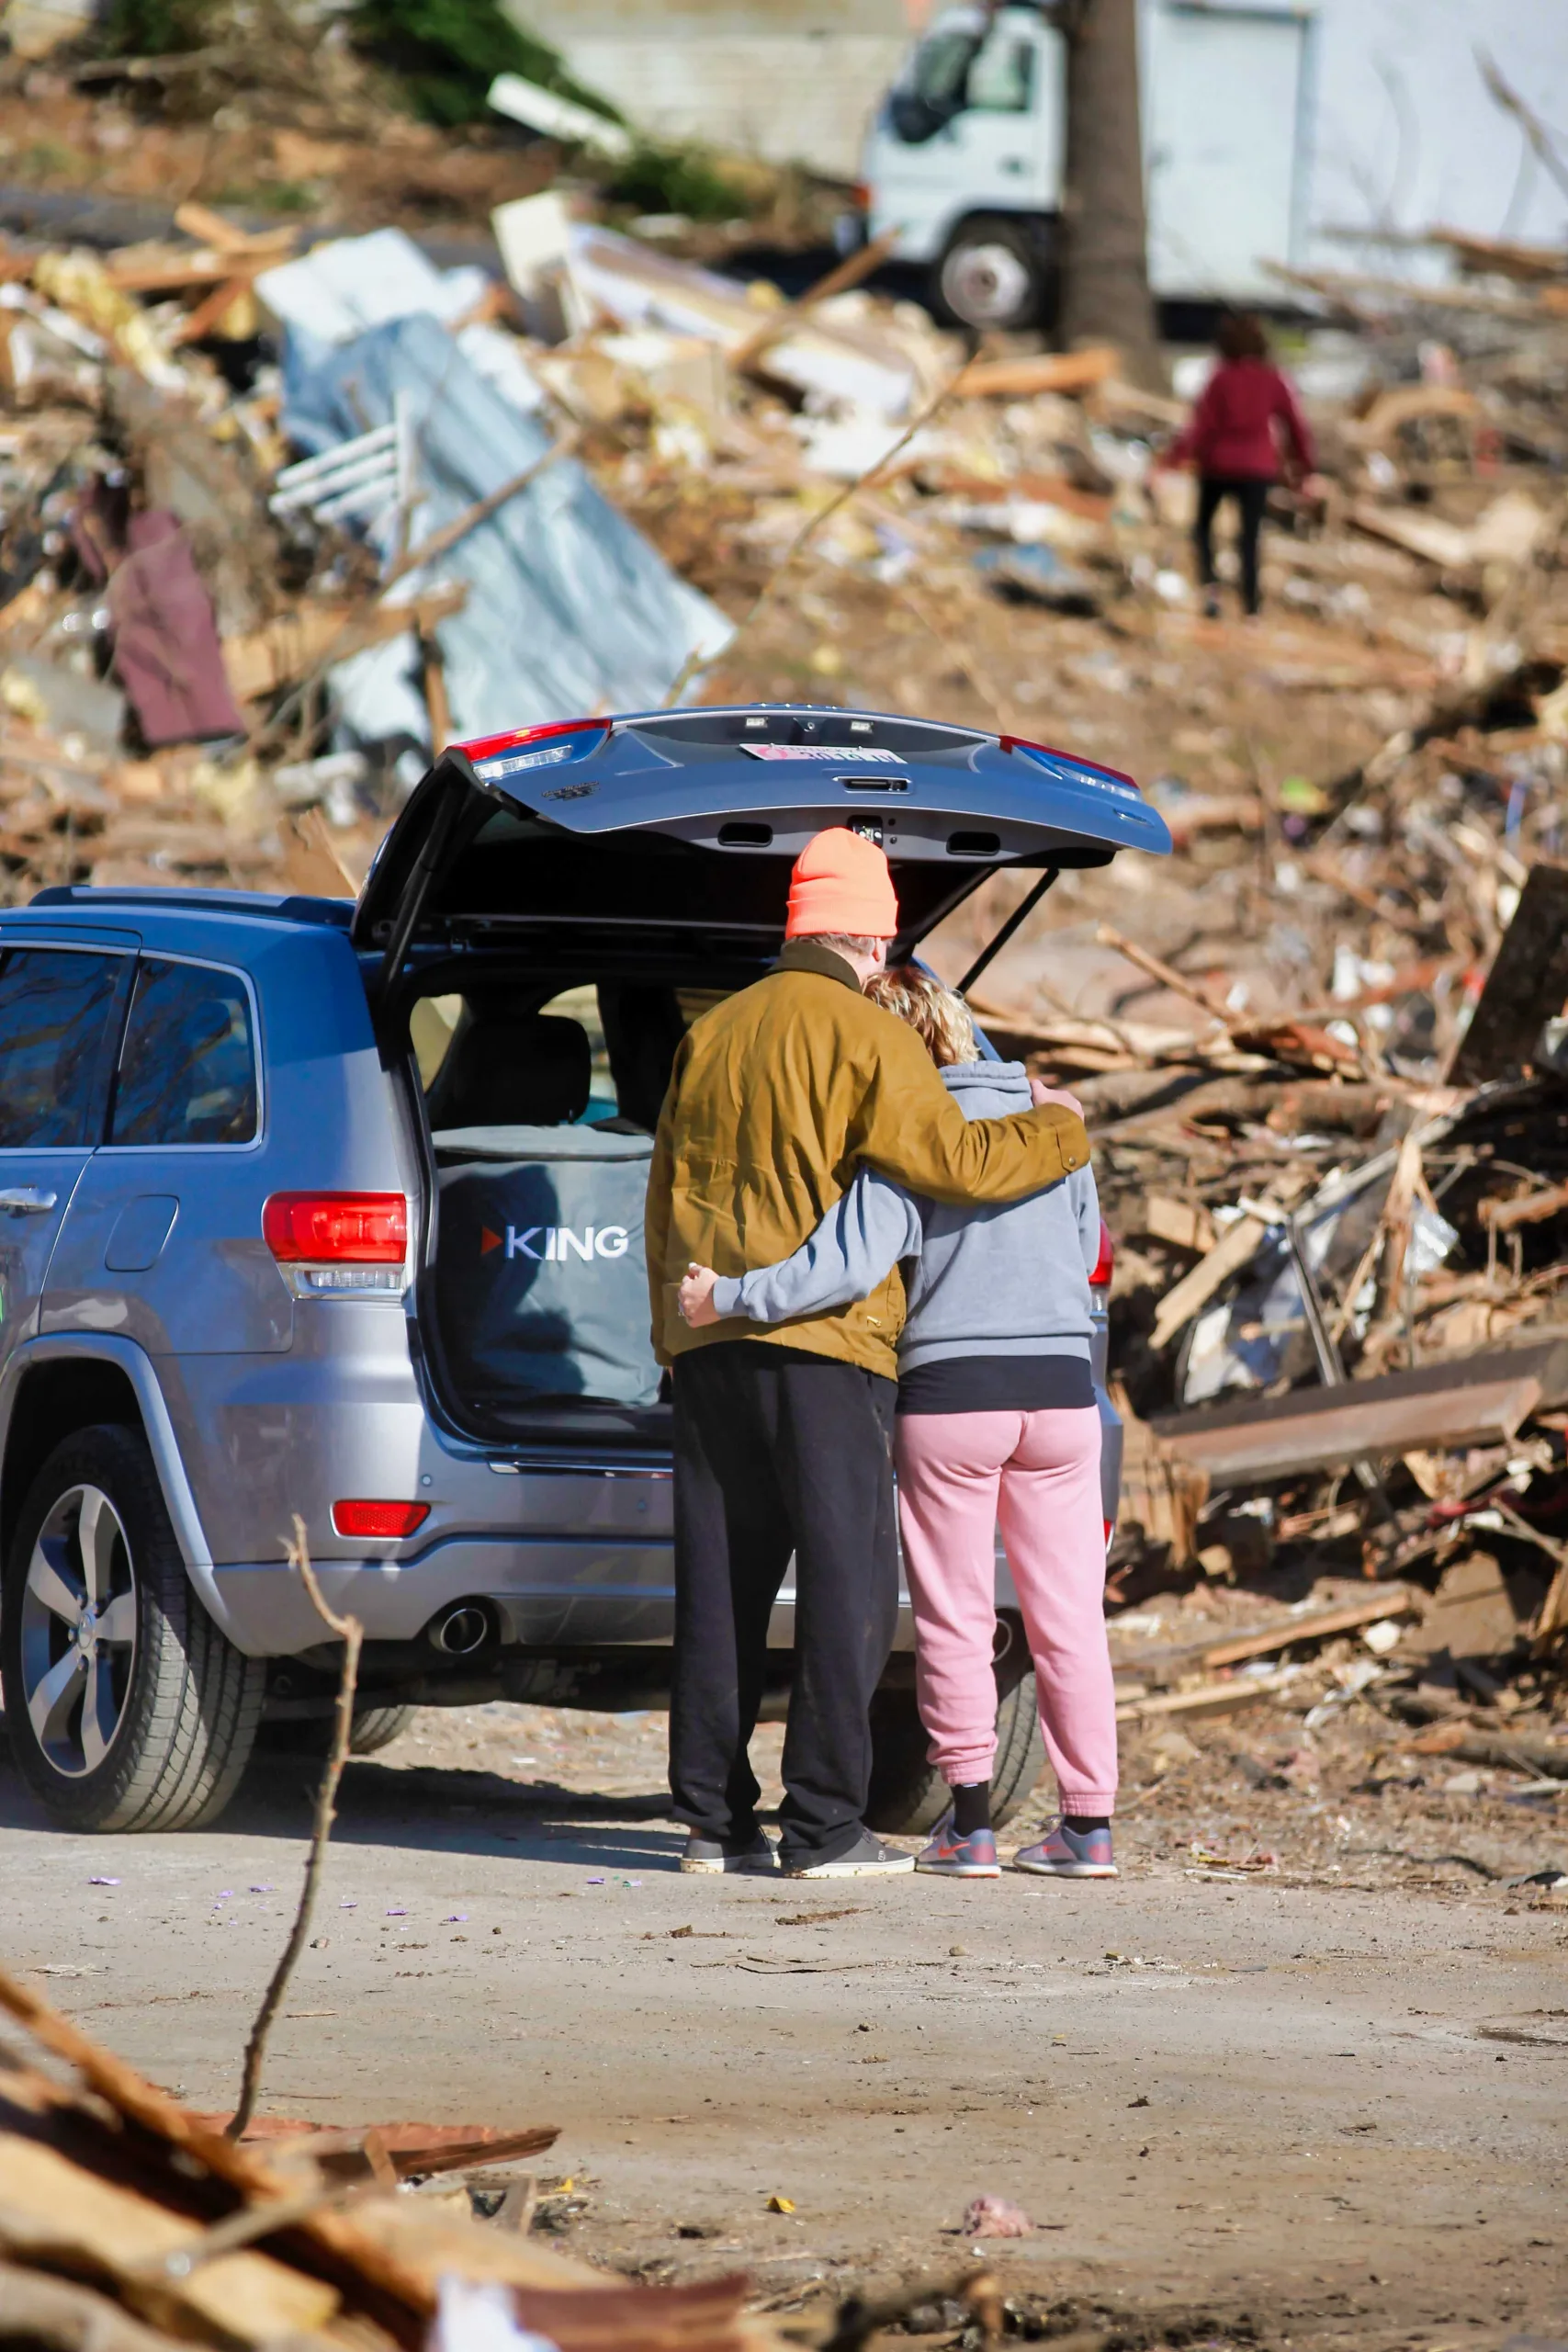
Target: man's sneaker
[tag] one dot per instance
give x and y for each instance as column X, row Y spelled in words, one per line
column 949, row 1856
column 1068, row 1853
column 867, row 1858
column 726, row 1854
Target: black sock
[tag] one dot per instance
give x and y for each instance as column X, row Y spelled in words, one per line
column 971, row 1807
column 1080, row 1822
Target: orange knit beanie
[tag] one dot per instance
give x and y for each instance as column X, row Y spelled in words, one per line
column 841, row 883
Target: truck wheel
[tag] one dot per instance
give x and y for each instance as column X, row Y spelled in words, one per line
column 908, row 1796
column 992, row 275
column 126, row 1706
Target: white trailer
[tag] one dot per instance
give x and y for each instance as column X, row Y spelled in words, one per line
column 965, row 155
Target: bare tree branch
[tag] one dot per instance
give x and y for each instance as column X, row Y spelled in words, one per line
column 351, row 1632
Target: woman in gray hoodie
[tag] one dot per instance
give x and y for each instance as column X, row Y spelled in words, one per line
column 996, row 1425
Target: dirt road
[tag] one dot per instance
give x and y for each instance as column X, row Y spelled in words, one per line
column 1306, row 2114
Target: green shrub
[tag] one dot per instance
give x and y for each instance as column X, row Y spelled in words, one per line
column 677, row 179
column 447, row 52
column 153, row 27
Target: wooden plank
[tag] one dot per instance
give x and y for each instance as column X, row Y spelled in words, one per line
column 1354, row 1426
column 1312, row 1625
column 1527, row 985
column 290, row 645
column 61, row 2216
column 1234, row 1248
column 1208, row 1698
column 1446, row 545
column 1052, row 371
column 1186, row 1225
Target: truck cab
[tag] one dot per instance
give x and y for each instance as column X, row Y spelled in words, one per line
column 967, row 157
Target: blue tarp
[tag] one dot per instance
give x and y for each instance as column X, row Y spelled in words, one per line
column 569, row 611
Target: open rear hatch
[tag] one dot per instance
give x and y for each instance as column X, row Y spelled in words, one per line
column 675, row 831
column 572, row 895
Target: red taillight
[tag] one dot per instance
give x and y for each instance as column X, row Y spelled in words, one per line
column 484, row 747
column 381, row 1519
column 337, row 1229
column 1073, row 759
column 1105, row 1264
column 861, row 195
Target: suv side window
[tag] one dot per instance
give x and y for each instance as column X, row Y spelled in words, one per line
column 187, row 1069
column 56, row 1008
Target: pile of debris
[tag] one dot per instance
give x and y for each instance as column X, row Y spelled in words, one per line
column 128, row 2224
column 337, row 505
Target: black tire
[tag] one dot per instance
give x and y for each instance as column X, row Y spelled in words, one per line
column 308, row 1738
column 993, row 277
column 376, row 1727
column 908, row 1796
column 176, row 1705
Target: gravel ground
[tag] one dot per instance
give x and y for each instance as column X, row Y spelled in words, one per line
column 1314, row 2103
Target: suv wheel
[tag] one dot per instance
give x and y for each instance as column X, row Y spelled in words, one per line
column 908, row 1796
column 126, row 1708
column 992, row 277
column 377, row 1728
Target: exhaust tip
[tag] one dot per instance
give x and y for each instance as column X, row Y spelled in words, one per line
column 462, row 1631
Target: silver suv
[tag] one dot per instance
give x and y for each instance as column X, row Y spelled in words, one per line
column 336, row 1210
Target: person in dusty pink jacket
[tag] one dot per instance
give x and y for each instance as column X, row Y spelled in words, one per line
column 1247, row 430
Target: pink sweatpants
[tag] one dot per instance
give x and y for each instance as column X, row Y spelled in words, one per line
column 1036, row 1476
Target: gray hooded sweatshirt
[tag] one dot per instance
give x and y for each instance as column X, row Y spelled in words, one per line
column 1009, row 1281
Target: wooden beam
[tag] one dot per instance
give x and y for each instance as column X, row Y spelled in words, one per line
column 1526, row 985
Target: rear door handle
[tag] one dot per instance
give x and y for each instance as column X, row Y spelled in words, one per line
column 26, row 1200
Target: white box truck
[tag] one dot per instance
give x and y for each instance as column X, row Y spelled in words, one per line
column 965, row 154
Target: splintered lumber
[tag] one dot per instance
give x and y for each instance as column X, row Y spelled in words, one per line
column 1234, row 1248
column 1470, row 1400
column 1531, row 1208
column 65, row 2317
column 1052, row 371
column 338, row 2252
column 1314, row 1626
column 1527, row 985
column 1447, row 545
column 1207, row 1698
column 288, row 646
column 1159, row 1668
column 412, row 2151
column 58, row 2214
column 1186, row 1225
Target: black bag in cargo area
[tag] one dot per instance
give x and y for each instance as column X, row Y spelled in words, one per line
column 540, row 1268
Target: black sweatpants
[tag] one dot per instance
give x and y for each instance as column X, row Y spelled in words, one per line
column 777, row 1450
column 1251, row 496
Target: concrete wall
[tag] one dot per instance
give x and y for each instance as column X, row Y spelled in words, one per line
column 788, row 81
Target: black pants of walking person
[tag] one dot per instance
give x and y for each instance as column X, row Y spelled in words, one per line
column 778, row 1451
column 1251, row 495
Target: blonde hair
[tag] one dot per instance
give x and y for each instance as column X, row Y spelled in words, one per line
column 939, row 1019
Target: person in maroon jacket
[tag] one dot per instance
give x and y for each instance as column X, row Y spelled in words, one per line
column 1246, row 430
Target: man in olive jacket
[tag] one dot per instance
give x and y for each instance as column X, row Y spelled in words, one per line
column 783, row 1436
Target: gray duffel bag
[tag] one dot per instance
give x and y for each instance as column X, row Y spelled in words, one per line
column 542, row 1282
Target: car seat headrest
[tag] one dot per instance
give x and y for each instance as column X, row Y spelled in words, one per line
column 511, row 1070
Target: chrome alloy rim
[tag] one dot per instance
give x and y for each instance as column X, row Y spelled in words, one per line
column 987, row 285
column 78, row 1631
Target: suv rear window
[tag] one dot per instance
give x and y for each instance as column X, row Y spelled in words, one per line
column 187, row 1069
column 55, row 1009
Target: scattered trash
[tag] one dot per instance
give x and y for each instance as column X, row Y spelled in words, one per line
column 781, row 2204
column 993, row 2217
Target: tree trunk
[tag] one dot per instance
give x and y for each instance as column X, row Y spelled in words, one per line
column 1105, row 295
